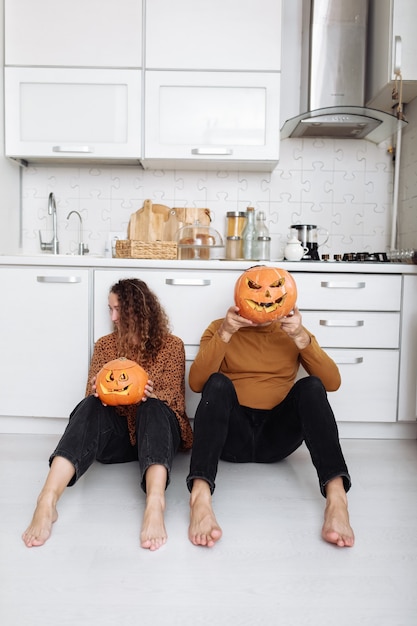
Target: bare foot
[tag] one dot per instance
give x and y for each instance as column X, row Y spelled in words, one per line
column 153, row 534
column 336, row 528
column 204, row 529
column 40, row 528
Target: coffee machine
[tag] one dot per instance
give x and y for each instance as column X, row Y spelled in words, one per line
column 308, row 235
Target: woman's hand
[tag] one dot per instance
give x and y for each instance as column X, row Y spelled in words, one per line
column 148, row 391
column 94, row 389
column 93, row 386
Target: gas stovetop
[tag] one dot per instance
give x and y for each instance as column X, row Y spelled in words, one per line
column 358, row 257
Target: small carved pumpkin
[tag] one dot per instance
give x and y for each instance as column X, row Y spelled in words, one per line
column 121, row 382
column 264, row 294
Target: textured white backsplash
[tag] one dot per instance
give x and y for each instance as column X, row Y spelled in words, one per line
column 342, row 186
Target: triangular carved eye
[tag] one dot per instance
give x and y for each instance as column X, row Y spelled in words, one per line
column 110, row 376
column 278, row 283
column 253, row 285
column 123, row 376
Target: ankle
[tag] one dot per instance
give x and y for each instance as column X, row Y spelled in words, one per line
column 200, row 491
column 335, row 490
column 48, row 496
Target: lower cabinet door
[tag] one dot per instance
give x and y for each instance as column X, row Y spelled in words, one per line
column 369, row 388
column 44, row 337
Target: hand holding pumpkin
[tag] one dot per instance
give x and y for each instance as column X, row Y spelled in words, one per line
column 292, row 325
column 232, row 323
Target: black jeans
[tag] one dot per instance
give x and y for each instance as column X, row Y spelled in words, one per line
column 98, row 433
column 223, row 429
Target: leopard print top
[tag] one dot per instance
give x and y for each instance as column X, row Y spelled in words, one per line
column 167, row 373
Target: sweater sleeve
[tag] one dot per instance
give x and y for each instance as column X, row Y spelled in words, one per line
column 209, row 357
column 317, row 362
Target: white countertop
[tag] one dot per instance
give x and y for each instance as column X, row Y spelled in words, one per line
column 68, row 261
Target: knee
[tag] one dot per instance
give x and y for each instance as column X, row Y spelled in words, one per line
column 312, row 386
column 152, row 411
column 217, row 384
column 85, row 407
column 311, row 383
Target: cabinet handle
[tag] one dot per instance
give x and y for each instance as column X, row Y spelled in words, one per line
column 349, row 360
column 82, row 149
column 212, row 151
column 329, row 284
column 58, row 279
column 397, row 54
column 194, row 282
column 341, row 323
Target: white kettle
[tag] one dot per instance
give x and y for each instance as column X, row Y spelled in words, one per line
column 294, row 251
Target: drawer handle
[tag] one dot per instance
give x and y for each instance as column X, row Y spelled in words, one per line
column 212, row 151
column 328, row 284
column 193, row 282
column 342, row 323
column 82, row 149
column 58, row 279
column 349, row 360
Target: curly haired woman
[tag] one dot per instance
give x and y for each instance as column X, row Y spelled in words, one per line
column 150, row 432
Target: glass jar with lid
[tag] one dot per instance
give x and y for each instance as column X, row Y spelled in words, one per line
column 236, row 221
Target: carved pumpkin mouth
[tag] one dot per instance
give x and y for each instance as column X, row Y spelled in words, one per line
column 123, row 391
column 267, row 307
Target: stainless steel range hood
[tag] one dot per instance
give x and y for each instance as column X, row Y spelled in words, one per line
column 336, row 44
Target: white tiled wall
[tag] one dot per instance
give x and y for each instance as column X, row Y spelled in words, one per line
column 342, row 186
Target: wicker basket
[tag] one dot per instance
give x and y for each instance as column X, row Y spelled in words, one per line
column 131, row 249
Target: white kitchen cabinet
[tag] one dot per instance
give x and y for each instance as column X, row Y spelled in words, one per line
column 213, row 35
column 218, row 119
column 356, row 319
column 73, row 33
column 407, row 403
column 65, row 114
column 369, row 389
column 348, row 292
column 392, row 43
column 44, row 330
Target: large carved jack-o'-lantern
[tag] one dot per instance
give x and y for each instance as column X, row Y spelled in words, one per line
column 264, row 294
column 121, row 382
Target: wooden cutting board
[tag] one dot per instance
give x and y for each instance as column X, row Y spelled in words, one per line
column 157, row 222
column 148, row 223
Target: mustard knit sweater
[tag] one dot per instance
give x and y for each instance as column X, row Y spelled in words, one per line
column 262, row 362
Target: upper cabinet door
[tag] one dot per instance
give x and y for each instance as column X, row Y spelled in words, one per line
column 392, row 46
column 77, row 33
column 54, row 113
column 223, row 118
column 213, row 35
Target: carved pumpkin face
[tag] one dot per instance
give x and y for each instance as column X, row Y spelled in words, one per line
column 264, row 294
column 121, row 382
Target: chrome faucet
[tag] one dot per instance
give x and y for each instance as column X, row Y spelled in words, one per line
column 54, row 244
column 82, row 247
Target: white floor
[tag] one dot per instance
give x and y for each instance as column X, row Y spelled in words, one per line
column 270, row 568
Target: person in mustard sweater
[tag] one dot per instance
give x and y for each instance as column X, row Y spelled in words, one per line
column 252, row 409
